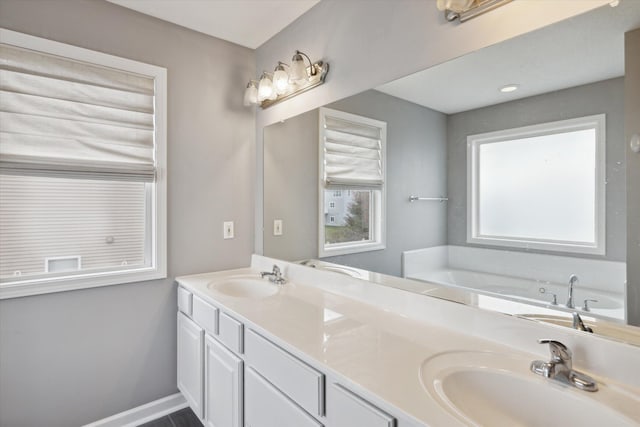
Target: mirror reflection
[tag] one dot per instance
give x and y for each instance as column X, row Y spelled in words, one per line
column 499, row 176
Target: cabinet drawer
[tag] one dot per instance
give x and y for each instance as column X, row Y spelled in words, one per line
column 292, row 376
column 185, row 303
column 205, row 315
column 265, row 406
column 346, row 409
column 230, row 333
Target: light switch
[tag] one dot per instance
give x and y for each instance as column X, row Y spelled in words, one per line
column 228, row 230
column 277, row 227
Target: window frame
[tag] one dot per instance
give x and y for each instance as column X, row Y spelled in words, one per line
column 377, row 206
column 156, row 244
column 598, row 247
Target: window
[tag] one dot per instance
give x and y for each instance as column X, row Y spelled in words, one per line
column 82, row 155
column 539, row 187
column 352, row 190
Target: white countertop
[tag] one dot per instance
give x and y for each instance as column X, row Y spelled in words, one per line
column 370, row 347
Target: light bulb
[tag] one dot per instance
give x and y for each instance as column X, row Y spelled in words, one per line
column 265, row 88
column 298, row 69
column 280, row 79
column 250, row 94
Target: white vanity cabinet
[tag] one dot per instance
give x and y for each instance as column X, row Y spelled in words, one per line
column 190, row 362
column 233, row 376
column 223, row 386
column 210, row 375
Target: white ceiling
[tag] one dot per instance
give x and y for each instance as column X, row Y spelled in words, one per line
column 581, row 50
column 248, row 23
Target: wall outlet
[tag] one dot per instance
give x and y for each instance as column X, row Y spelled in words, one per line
column 228, row 230
column 277, row 227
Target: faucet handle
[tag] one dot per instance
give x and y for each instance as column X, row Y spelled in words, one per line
column 579, row 324
column 543, row 290
column 559, row 351
column 585, row 307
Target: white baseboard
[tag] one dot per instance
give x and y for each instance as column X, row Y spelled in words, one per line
column 142, row 414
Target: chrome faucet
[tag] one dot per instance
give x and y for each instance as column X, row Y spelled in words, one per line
column 573, row 279
column 579, row 324
column 560, row 367
column 275, row 276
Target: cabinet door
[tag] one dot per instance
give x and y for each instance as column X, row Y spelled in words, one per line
column 265, row 406
column 190, row 363
column 223, row 386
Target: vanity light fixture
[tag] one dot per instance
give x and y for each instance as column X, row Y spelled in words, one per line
column 463, row 10
column 265, row 88
column 280, row 78
column 509, row 88
column 281, row 85
column 299, row 68
column 251, row 93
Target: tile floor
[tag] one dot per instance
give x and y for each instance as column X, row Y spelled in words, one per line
column 182, row 418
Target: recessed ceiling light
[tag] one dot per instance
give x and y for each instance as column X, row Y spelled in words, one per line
column 614, row 3
column 509, row 88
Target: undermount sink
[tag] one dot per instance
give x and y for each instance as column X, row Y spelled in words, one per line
column 491, row 389
column 244, row 286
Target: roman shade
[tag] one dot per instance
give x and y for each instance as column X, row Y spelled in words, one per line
column 65, row 118
column 352, row 149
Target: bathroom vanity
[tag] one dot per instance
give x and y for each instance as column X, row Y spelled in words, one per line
column 328, row 349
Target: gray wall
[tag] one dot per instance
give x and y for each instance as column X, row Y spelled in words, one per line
column 632, row 126
column 416, row 162
column 74, row 357
column 601, row 97
column 291, row 187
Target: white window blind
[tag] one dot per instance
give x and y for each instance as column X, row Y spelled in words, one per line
column 353, row 150
column 82, row 161
column 62, row 117
column 352, row 173
column 41, row 218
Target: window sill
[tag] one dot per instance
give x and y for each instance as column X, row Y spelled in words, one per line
column 561, row 247
column 50, row 285
column 350, row 249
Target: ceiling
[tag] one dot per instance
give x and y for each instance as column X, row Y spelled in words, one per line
column 580, row 50
column 248, row 23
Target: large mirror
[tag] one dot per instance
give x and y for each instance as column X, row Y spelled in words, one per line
column 496, row 179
